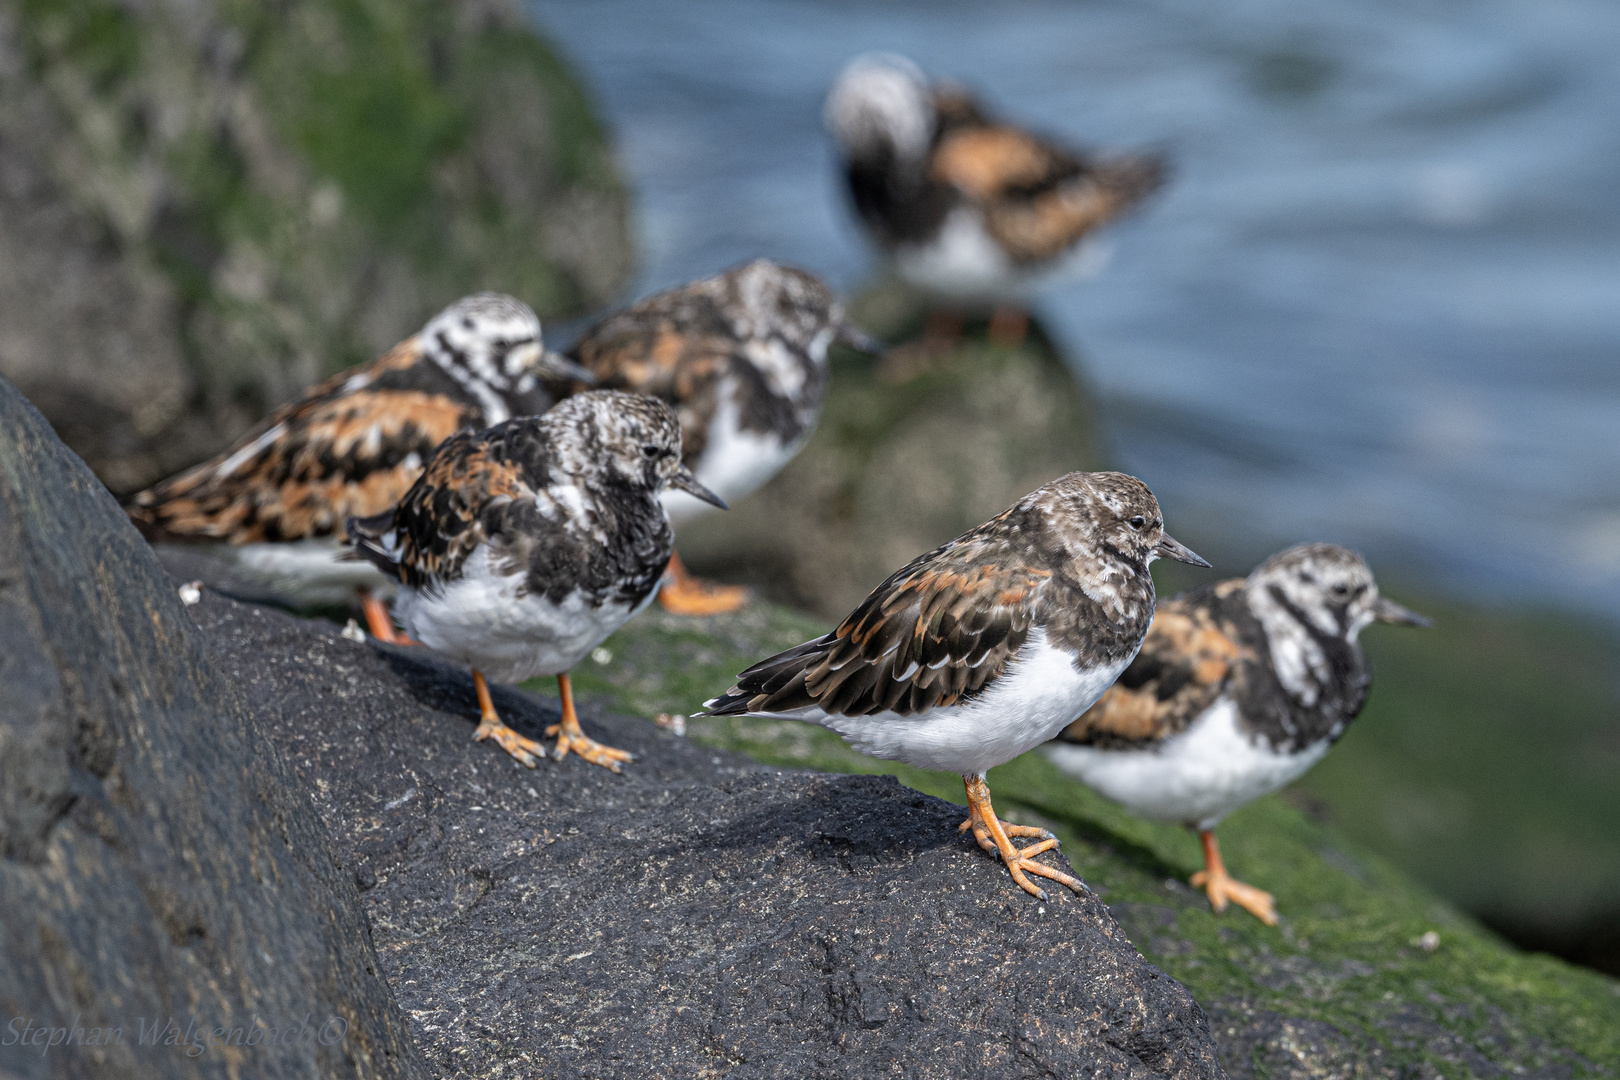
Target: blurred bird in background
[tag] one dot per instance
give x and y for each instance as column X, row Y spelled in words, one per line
column 965, row 207
column 742, row 359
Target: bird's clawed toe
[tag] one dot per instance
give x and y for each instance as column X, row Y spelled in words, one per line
column 526, row 751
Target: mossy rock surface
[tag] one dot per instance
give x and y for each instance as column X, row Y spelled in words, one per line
column 207, row 206
column 910, row 451
column 1342, row 988
column 1487, row 764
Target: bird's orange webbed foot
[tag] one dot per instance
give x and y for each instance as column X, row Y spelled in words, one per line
column 994, row 835
column 684, row 594
column 1222, row 888
column 571, row 738
column 525, row 750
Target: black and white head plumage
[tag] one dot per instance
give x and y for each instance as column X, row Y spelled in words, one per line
column 491, row 344
column 881, row 111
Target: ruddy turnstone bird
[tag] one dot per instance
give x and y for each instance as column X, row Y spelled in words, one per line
column 967, row 207
column 1240, row 688
column 984, row 648
column 742, row 358
column 523, row 546
column 276, row 500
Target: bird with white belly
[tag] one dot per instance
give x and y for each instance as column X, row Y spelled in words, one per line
column 1240, row 687
column 964, row 206
column 522, row 547
column 742, row 359
column 984, row 648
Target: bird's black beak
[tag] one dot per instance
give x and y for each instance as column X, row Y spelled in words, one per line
column 1171, row 548
column 1387, row 610
column 688, row 483
column 853, row 337
column 554, row 365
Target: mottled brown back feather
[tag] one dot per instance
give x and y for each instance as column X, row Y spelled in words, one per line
column 1188, row 659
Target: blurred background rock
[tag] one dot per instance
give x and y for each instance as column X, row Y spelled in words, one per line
column 207, row 205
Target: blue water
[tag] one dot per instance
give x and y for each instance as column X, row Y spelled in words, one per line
column 1379, row 303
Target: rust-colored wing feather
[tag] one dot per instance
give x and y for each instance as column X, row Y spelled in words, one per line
column 991, row 161
column 1042, row 225
column 1038, row 197
column 313, row 463
column 936, row 632
column 447, row 513
column 1187, row 660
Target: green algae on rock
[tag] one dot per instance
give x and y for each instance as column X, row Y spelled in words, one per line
column 1487, row 765
column 1369, row 974
column 910, row 452
column 211, row 205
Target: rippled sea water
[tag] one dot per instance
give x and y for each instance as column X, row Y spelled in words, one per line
column 1378, row 304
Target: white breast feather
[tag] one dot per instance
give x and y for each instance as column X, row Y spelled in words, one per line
column 481, row 620
column 306, row 572
column 1036, row 697
column 1195, row 778
column 734, row 463
column 962, row 260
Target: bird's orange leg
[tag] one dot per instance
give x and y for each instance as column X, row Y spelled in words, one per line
column 992, row 834
column 570, row 737
column 1009, row 325
column 527, row 751
column 684, row 594
column 1222, row 887
column 379, row 620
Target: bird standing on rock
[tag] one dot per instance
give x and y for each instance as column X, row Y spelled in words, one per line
column 967, row 207
column 742, row 359
column 276, row 500
column 524, row 546
column 986, row 647
column 1240, row 688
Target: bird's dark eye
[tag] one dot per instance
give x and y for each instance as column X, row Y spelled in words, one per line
column 1341, row 590
column 1137, row 522
column 650, row 451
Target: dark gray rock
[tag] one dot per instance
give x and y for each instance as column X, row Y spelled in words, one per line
column 155, row 863
column 699, row 915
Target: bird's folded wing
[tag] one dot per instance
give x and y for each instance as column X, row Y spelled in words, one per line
column 936, row 632
column 1043, row 225
column 447, row 513
column 664, row 355
column 1187, row 660
column 994, row 161
column 309, row 466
